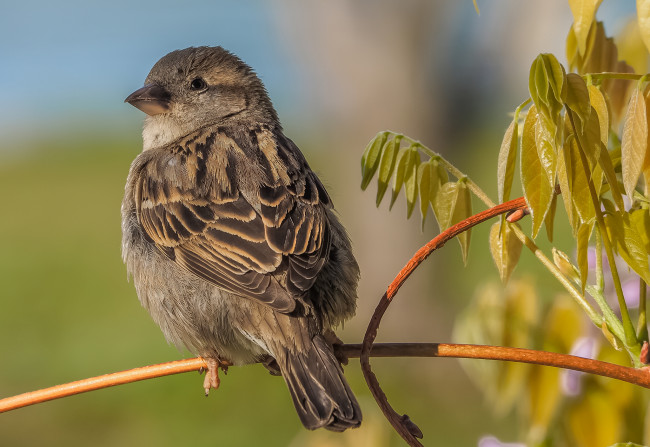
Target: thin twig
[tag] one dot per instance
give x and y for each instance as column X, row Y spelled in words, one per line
column 401, row 423
column 632, row 375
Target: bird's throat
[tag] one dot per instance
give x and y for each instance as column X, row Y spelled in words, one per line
column 160, row 130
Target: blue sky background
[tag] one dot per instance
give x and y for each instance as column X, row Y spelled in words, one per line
column 80, row 59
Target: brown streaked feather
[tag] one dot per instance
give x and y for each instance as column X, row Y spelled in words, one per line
column 265, row 237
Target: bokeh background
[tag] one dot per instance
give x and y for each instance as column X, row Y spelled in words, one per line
column 338, row 72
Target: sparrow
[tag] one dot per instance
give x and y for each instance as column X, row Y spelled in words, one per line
column 231, row 239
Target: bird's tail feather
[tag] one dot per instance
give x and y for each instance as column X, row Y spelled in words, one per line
column 320, row 393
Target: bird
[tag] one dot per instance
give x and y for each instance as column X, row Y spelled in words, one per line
column 231, row 240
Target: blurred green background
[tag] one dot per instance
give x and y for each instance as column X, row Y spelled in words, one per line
column 338, row 72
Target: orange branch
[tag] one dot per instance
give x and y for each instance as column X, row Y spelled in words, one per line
column 635, row 376
column 105, row 381
column 402, row 424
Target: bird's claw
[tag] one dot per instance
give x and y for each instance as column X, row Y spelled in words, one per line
column 212, row 379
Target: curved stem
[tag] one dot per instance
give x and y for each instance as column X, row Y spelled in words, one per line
column 402, row 424
column 628, row 328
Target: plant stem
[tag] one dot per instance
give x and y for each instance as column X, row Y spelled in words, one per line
column 630, row 335
column 600, row 279
column 642, row 326
column 613, row 323
column 611, row 75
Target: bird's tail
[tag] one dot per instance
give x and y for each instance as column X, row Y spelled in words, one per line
column 320, row 393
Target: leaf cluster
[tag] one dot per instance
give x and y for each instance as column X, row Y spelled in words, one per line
column 423, row 175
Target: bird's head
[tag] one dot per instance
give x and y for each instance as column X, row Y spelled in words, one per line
column 196, row 87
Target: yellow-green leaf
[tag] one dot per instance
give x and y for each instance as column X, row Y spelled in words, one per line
column 643, row 16
column 538, row 191
column 584, row 233
column 579, row 184
column 549, row 220
column 646, row 160
column 577, row 97
column 505, row 248
column 545, row 142
column 438, row 178
column 563, row 168
column 424, row 188
column 403, row 157
column 562, row 262
column 635, row 140
column 370, row 158
column 599, row 104
column 640, row 220
column 556, row 78
column 605, row 162
column 444, row 206
column 538, row 83
column 410, row 180
column 583, row 12
column 386, row 166
column 628, row 243
column 463, row 210
column 506, row 161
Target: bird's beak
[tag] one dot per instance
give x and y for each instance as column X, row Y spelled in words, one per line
column 152, row 99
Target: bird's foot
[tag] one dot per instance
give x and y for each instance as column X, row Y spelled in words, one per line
column 212, row 379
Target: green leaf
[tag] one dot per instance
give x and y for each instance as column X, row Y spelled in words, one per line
column 548, row 89
column 562, row 262
column 564, row 167
column 640, row 220
column 599, row 104
column 583, row 12
column 579, row 184
column 635, row 140
column 386, row 166
column 463, row 210
column 506, row 161
column 577, row 97
column 439, row 177
column 582, row 239
column 549, row 220
column 370, row 158
column 556, row 77
column 605, row 162
column 538, row 83
column 505, row 248
column 538, row 191
column 545, row 142
column 403, row 157
column 444, row 206
column 410, row 180
column 424, row 187
column 628, row 243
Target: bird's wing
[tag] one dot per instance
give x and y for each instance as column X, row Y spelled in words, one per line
column 268, row 244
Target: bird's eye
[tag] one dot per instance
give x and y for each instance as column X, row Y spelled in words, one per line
column 198, row 84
